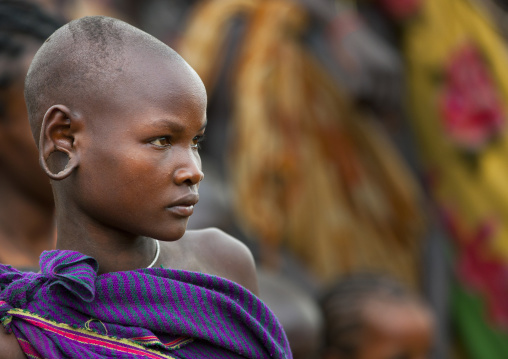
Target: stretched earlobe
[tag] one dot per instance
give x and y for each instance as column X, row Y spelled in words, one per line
column 71, row 165
column 58, row 116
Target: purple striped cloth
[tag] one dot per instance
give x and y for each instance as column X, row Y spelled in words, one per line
column 68, row 311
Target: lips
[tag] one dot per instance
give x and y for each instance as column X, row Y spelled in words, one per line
column 184, row 206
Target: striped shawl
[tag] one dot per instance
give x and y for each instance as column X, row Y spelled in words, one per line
column 68, row 311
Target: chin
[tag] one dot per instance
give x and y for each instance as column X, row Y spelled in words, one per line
column 174, row 233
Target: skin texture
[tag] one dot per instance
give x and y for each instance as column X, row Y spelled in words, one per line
column 135, row 168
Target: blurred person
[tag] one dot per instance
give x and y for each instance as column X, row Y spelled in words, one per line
column 370, row 316
column 26, row 205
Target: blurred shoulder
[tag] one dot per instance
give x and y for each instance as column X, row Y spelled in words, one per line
column 225, row 256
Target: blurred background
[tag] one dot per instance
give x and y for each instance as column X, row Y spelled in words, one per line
column 358, row 147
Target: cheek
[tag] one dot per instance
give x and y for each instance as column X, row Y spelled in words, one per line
column 122, row 177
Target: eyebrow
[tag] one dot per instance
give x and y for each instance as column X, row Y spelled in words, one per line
column 173, row 126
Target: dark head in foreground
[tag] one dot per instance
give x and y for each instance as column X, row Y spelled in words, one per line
column 369, row 316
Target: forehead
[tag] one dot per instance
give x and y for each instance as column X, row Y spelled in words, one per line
column 162, row 70
column 150, row 86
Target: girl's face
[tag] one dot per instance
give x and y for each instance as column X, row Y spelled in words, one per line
column 139, row 167
column 396, row 330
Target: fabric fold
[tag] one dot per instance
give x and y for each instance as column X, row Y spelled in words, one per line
column 71, row 270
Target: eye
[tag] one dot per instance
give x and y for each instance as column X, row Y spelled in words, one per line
column 161, row 141
column 196, row 141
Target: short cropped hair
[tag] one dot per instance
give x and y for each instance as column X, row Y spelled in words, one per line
column 82, row 61
column 76, row 59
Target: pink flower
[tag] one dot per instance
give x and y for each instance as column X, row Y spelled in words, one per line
column 470, row 106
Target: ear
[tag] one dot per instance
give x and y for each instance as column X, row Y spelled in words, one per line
column 57, row 136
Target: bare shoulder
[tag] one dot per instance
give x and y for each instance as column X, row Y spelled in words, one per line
column 225, row 256
column 9, row 347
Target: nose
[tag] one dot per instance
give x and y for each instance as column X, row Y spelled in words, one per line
column 190, row 172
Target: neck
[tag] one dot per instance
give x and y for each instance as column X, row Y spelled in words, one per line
column 114, row 250
column 26, row 226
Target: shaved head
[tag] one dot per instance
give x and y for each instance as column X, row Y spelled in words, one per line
column 86, row 60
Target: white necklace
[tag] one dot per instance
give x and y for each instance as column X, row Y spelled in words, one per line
column 157, row 252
